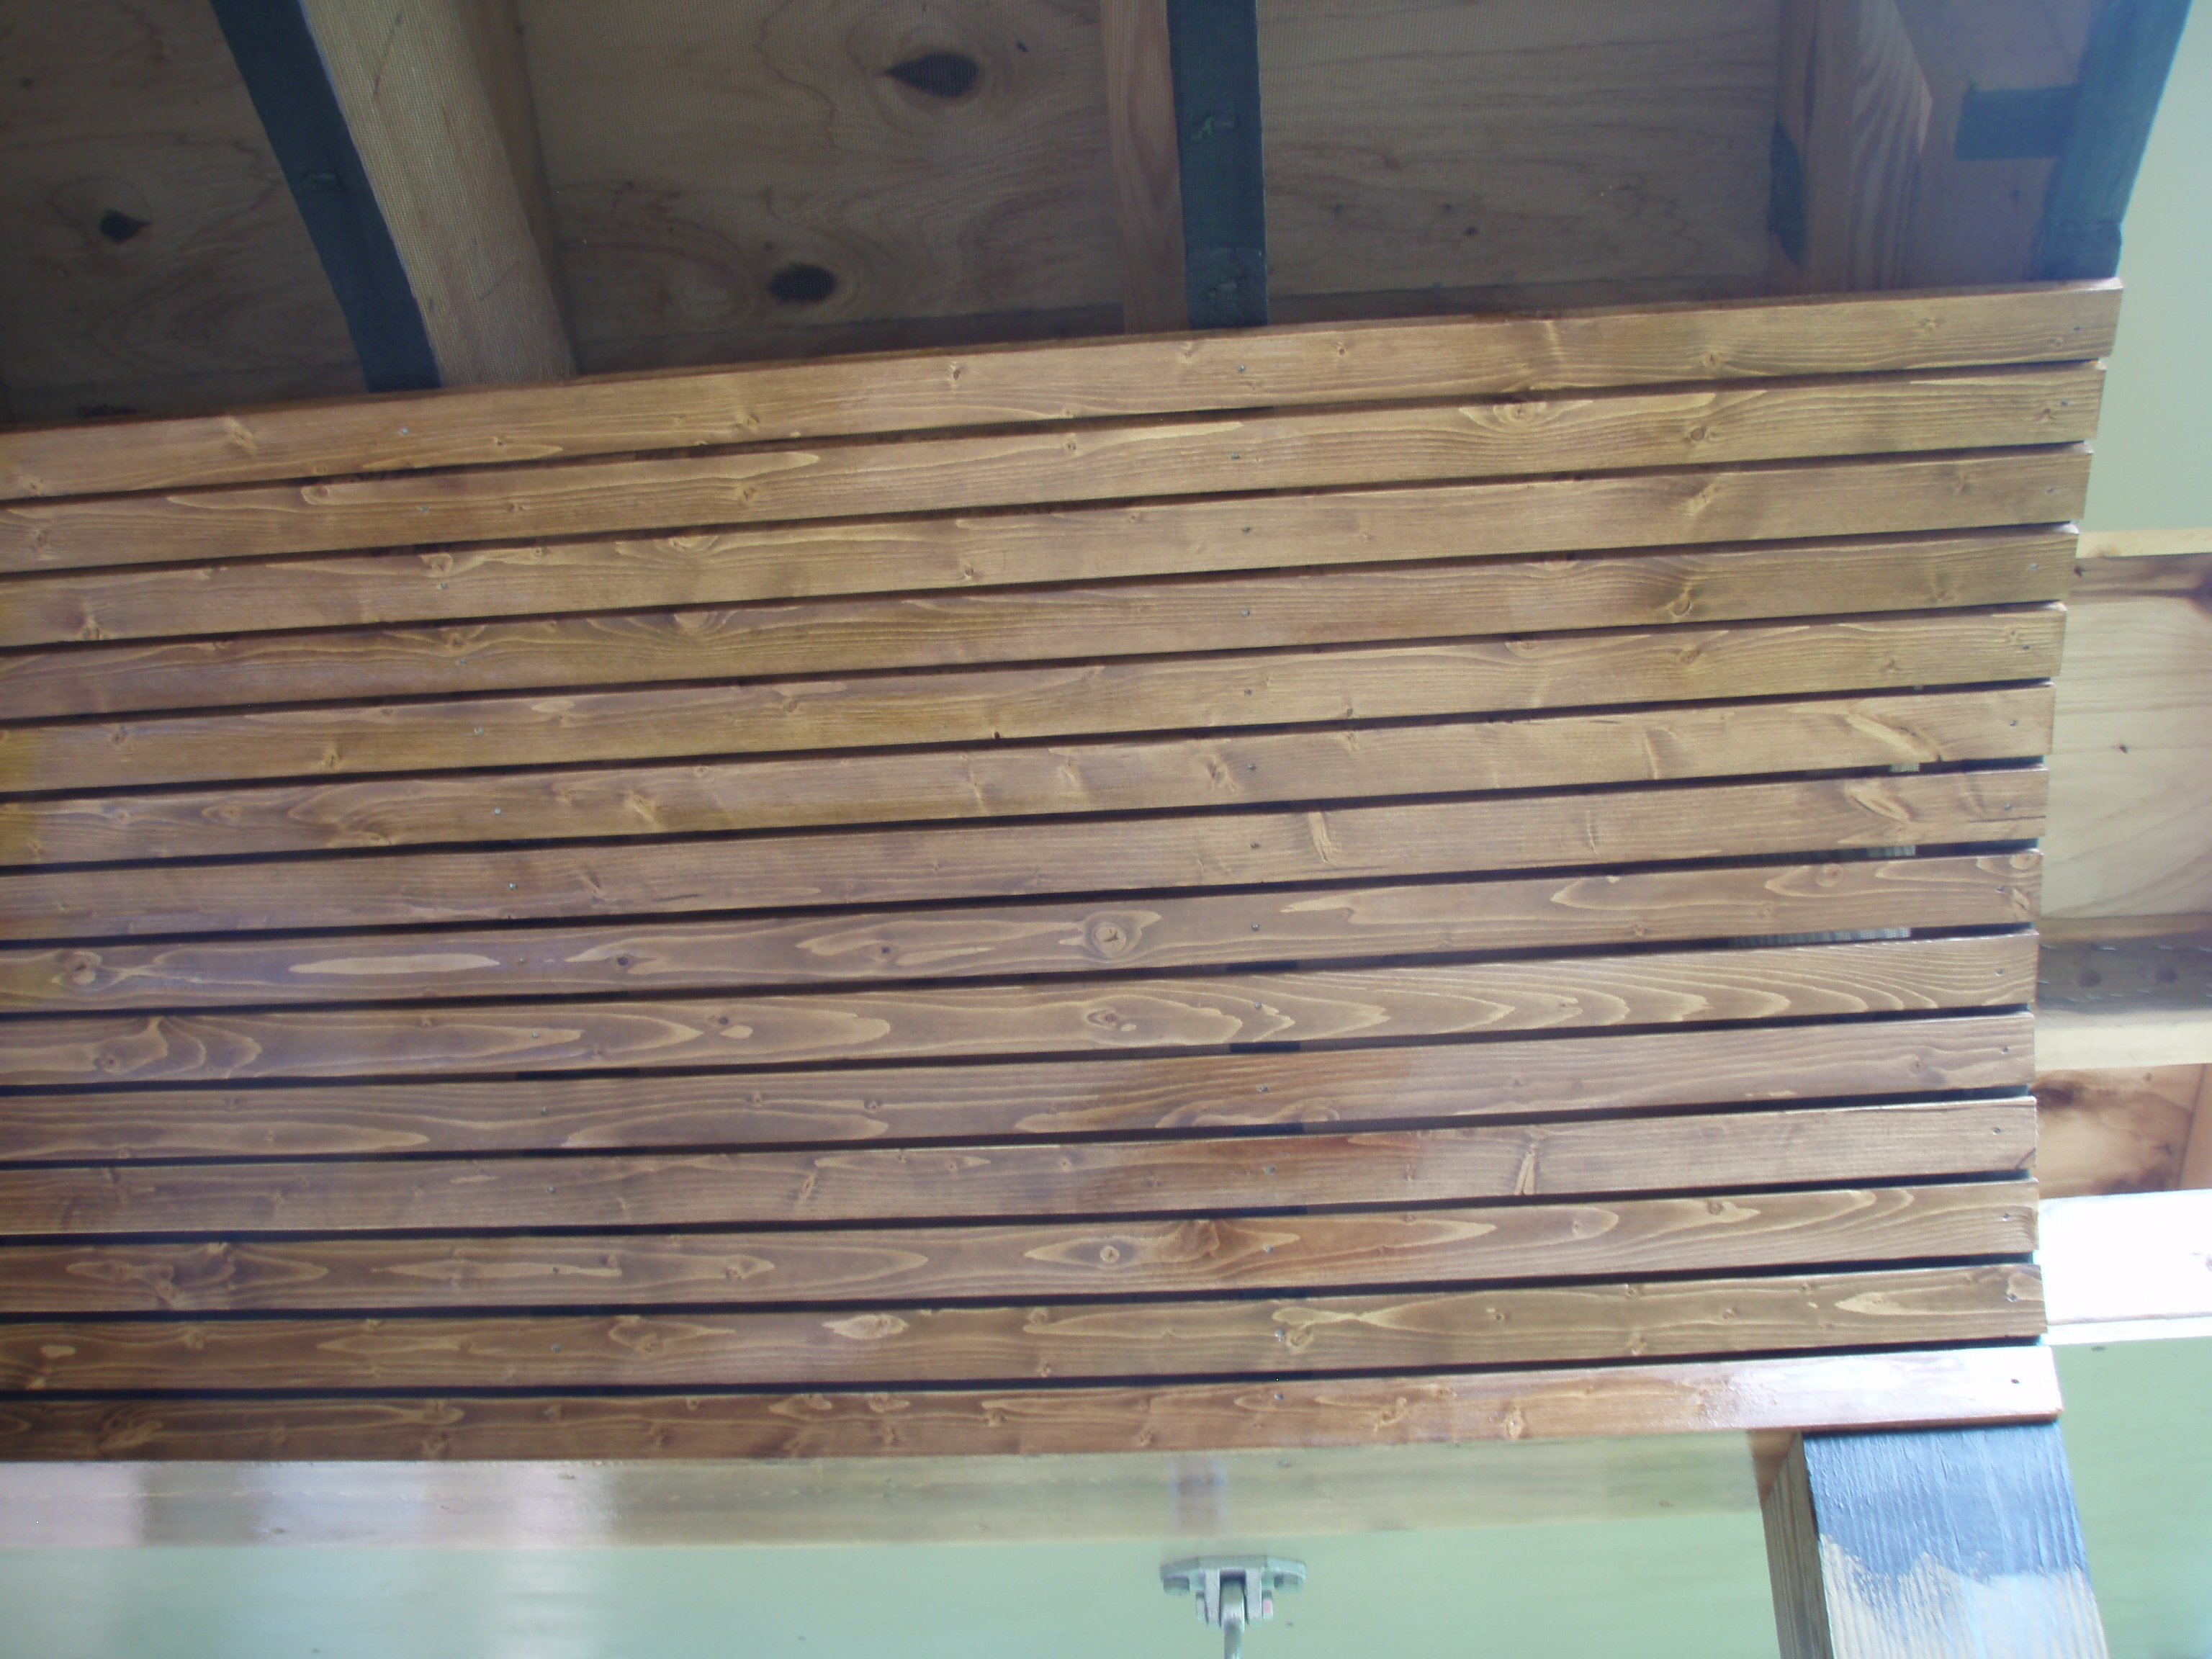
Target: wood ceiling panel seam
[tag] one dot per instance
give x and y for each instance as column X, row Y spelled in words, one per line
column 804, row 870
column 1314, row 1090
column 917, row 392
column 1613, row 431
column 1520, row 752
column 1212, row 616
column 1116, row 697
column 1409, row 1166
column 1307, row 1336
column 1096, row 1017
column 1776, row 502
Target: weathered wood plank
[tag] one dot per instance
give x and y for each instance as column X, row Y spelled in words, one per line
column 1941, row 1542
column 2114, row 1131
column 1893, row 1309
column 1575, row 1076
column 1360, row 362
column 2042, row 486
column 1003, row 860
column 915, row 786
column 1001, row 941
column 1359, row 605
column 1878, row 1390
column 1391, row 681
column 1094, row 1016
column 1207, row 1177
column 1730, row 423
column 1717, row 1234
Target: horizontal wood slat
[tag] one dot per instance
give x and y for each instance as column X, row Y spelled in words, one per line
column 1785, row 658
column 1896, row 1307
column 1722, row 1233
column 1712, row 1152
column 1165, row 868
column 1325, row 607
column 1730, row 423
column 1246, row 770
column 894, row 867
column 1003, row 941
column 496, row 425
column 2042, row 486
column 1096, row 1016
column 579, row 1113
column 1867, row 1390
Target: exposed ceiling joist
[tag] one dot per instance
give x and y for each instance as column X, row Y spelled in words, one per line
column 388, row 122
column 1140, row 128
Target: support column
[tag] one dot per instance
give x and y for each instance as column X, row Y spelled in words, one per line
column 1929, row 1543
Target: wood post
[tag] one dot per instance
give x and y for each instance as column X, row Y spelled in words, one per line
column 1930, row 1542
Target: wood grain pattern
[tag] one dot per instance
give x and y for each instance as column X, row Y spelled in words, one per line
column 1391, row 681
column 2041, row 486
column 1891, row 1309
column 2114, row 1130
column 2134, row 738
column 1728, row 423
column 1244, row 769
column 802, row 870
column 1324, row 607
column 1457, row 1165
column 132, row 107
column 1276, row 367
column 1098, row 1016
column 1871, row 1390
column 1610, row 140
column 999, row 941
column 1565, row 1076
column 1720, row 1233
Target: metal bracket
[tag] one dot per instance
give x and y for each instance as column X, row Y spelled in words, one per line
column 1234, row 1592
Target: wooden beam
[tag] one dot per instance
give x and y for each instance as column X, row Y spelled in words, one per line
column 275, row 52
column 1216, row 52
column 421, row 114
column 2123, row 71
column 1934, row 1542
column 1142, row 141
column 2133, row 1003
column 2131, row 752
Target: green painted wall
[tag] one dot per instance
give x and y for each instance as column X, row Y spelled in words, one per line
column 2153, row 469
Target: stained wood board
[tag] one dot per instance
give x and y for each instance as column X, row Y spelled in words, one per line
column 1242, row 769
column 1364, row 362
column 1895, row 1308
column 1742, row 422
column 1013, row 860
column 1570, row 1077
column 1456, row 1164
column 2042, row 486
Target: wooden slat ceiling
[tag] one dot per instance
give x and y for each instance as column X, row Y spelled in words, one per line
column 1114, row 912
